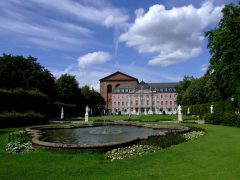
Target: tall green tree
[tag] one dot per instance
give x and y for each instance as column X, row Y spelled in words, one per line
column 91, row 97
column 224, row 46
column 26, row 73
column 182, row 87
column 201, row 90
column 68, row 90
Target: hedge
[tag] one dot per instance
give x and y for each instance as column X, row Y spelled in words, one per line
column 204, row 109
column 70, row 110
column 225, row 112
column 21, row 100
column 16, row 119
column 227, row 119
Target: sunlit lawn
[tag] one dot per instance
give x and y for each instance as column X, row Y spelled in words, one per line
column 213, row 156
column 167, row 117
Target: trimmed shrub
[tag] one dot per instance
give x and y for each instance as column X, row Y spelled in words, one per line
column 70, row 110
column 16, row 119
column 204, row 109
column 227, row 119
column 21, row 100
column 163, row 141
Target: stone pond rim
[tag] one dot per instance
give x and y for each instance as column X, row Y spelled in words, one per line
column 39, row 139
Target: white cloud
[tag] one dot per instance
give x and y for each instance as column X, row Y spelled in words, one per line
column 204, row 67
column 61, row 25
column 89, row 59
column 175, row 34
column 100, row 12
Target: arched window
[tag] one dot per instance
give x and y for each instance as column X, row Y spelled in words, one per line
column 109, row 88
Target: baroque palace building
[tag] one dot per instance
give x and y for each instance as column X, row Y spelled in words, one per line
column 124, row 94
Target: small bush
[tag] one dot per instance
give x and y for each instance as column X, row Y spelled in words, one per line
column 16, row 119
column 19, row 142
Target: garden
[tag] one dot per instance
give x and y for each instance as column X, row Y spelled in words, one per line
column 211, row 156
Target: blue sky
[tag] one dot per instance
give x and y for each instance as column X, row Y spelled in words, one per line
column 157, row 41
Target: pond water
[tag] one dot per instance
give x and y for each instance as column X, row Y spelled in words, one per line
column 98, row 135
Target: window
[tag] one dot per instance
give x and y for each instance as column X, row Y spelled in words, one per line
column 170, row 102
column 118, row 103
column 161, row 96
column 136, row 102
column 122, row 103
column 170, row 96
column 161, row 102
column 166, row 103
column 147, row 102
column 158, row 102
column 114, row 103
column 165, row 96
column 109, row 88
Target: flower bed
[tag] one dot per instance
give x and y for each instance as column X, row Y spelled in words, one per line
column 19, row 142
column 193, row 135
column 130, row 151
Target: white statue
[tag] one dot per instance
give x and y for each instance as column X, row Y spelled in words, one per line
column 86, row 114
column 188, row 111
column 211, row 109
column 179, row 109
column 62, row 113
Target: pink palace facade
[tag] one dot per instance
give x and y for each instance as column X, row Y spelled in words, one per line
column 145, row 98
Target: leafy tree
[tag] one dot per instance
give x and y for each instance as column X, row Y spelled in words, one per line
column 199, row 91
column 68, row 90
column 91, row 97
column 26, row 73
column 182, row 87
column 224, row 46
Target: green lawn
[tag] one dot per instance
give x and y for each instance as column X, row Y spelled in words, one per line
column 213, row 156
column 142, row 117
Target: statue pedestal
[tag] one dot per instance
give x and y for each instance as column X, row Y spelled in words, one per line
column 86, row 118
column 150, row 112
column 179, row 117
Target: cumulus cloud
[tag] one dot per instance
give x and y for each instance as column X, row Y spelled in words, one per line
column 89, row 59
column 175, row 35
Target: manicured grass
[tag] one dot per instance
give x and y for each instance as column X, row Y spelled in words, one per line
column 167, row 117
column 213, row 156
